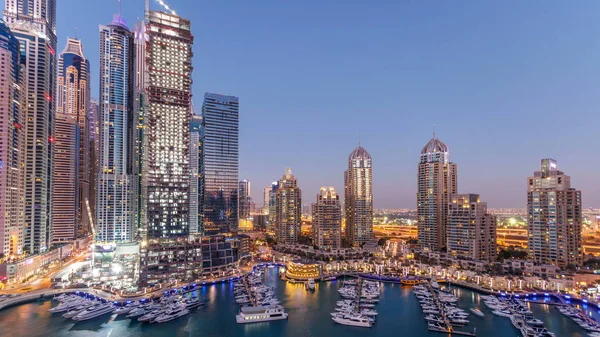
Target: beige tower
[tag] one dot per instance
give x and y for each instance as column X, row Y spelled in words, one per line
column 327, row 219
column 358, row 187
column 288, row 209
column 554, row 217
column 471, row 231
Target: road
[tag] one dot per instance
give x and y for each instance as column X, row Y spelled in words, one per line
column 43, row 282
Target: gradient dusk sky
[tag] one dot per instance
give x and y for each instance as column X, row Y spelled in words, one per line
column 505, row 82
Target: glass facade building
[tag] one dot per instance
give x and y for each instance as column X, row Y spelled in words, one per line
column 436, row 183
column 169, row 99
column 33, row 23
column 195, row 178
column 219, row 172
column 288, row 209
column 114, row 201
column 73, row 101
column 554, row 217
column 358, row 185
column 12, row 141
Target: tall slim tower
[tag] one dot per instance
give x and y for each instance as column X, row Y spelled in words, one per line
column 219, row 172
column 288, row 209
column 73, row 101
column 435, row 185
column 12, row 144
column 114, row 201
column 244, row 199
column 140, row 108
column 195, row 164
column 65, row 187
column 94, row 154
column 358, row 186
column 327, row 219
column 33, row 23
column 554, row 217
column 471, row 231
column 169, row 99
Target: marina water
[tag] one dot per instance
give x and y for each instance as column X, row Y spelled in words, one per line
column 399, row 315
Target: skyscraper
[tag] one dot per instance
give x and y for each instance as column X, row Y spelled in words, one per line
column 94, row 154
column 471, row 231
column 220, row 148
column 327, row 219
column 266, row 193
column 66, row 187
column 73, row 100
column 272, row 206
column 435, row 185
column 358, row 187
column 114, row 201
column 244, row 199
column 169, row 99
column 33, row 23
column 288, row 209
column 554, row 217
column 195, row 164
column 12, row 144
column 140, row 169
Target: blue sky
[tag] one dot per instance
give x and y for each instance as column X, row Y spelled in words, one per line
column 505, row 82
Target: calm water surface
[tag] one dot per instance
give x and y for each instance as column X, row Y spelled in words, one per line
column 399, row 315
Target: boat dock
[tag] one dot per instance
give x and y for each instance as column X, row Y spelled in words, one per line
column 250, row 293
column 449, row 328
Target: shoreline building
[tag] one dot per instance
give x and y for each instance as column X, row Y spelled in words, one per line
column 327, row 219
column 66, row 187
column 358, row 187
column 554, row 217
column 169, row 108
column 471, row 231
column 12, row 144
column 33, row 23
column 73, row 101
column 244, row 199
column 436, row 183
column 220, row 164
column 288, row 209
column 114, row 199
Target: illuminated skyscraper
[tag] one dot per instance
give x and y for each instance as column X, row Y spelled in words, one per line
column 195, row 164
column 554, row 217
column 219, row 172
column 435, row 185
column 358, row 187
column 288, row 209
column 266, row 192
column 12, row 142
column 33, row 23
column 94, row 154
column 65, row 187
column 73, row 101
column 471, row 231
column 114, row 201
column 327, row 219
column 244, row 199
column 140, row 168
column 169, row 99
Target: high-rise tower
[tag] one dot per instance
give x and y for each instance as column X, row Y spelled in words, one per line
column 554, row 217
column 114, row 202
column 219, row 172
column 358, row 187
column 435, row 185
column 12, row 144
column 195, row 178
column 471, row 231
column 33, row 23
column 288, row 209
column 327, row 219
column 169, row 99
column 73, row 101
column 245, row 199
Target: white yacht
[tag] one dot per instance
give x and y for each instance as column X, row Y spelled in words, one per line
column 261, row 314
column 172, row 314
column 310, row 285
column 477, row 312
column 66, row 306
column 137, row 312
column 502, row 313
column 193, row 302
column 95, row 311
column 151, row 316
column 74, row 312
column 353, row 320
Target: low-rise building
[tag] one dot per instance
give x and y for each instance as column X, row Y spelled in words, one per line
column 20, row 270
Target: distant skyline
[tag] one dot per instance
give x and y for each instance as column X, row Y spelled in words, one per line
column 505, row 83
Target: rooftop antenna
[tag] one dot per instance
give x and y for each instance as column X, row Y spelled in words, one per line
column 119, row 1
column 75, row 33
column 433, row 131
column 359, row 139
